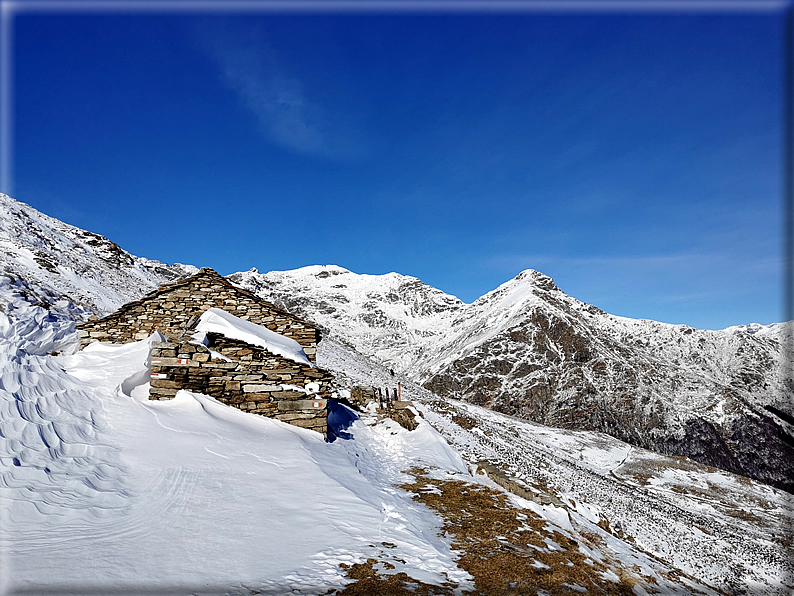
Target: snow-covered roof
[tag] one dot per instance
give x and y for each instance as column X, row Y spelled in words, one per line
column 215, row 320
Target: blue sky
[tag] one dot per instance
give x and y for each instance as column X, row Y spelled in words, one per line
column 635, row 157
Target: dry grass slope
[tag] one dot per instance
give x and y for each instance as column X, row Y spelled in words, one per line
column 508, row 551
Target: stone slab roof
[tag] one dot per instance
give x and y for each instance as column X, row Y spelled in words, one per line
column 207, row 272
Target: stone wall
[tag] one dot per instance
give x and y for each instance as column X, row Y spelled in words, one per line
column 173, row 309
column 361, row 396
column 252, row 380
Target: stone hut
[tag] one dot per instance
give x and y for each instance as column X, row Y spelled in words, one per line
column 246, row 376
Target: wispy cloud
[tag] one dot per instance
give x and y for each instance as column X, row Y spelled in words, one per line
column 287, row 115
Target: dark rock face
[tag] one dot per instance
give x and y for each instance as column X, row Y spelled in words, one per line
column 763, row 450
column 553, row 372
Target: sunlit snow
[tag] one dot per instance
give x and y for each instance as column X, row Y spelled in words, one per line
column 103, row 490
column 215, row 320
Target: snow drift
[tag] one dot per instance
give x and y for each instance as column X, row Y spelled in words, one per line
column 104, row 491
column 216, row 320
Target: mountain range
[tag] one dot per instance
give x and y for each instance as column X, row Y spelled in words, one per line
column 722, row 398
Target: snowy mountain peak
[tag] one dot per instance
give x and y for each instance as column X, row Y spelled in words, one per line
column 320, row 271
column 537, row 279
column 528, row 289
column 530, row 350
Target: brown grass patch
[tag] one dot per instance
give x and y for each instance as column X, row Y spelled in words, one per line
column 510, row 551
column 369, row 582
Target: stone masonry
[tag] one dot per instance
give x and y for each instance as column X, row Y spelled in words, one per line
column 234, row 372
column 174, row 308
column 252, row 379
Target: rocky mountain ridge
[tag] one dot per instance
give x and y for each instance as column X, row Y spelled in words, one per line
column 64, row 267
column 722, row 398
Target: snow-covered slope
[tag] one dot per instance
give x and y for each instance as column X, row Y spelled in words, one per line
column 720, row 397
column 102, row 491
column 725, row 530
column 129, row 485
column 55, row 264
column 729, row 532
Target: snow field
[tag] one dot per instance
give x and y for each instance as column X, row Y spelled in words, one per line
column 103, row 491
